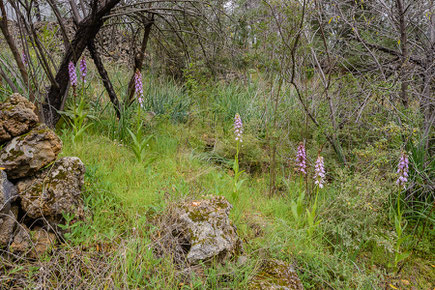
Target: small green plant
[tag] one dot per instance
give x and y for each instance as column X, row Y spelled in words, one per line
column 78, row 116
column 75, row 231
column 139, row 142
column 400, row 226
column 297, row 208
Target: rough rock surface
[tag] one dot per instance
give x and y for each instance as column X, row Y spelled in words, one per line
column 8, row 192
column 33, row 242
column 54, row 191
column 17, row 116
column 26, row 154
column 208, row 231
column 22, row 239
column 7, row 225
column 275, row 274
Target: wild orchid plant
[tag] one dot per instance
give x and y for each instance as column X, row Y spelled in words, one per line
column 78, row 115
column 400, row 226
column 72, row 77
column 140, row 142
column 83, row 69
column 297, row 206
column 238, row 132
column 301, row 160
column 319, row 181
column 24, row 58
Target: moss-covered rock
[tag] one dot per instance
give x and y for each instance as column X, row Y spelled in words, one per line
column 54, row 191
column 206, row 230
column 26, row 154
column 17, row 116
column 275, row 274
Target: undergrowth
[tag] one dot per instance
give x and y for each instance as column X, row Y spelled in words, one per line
column 191, row 156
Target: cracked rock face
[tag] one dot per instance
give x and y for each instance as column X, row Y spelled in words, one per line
column 8, row 221
column 17, row 117
column 8, row 216
column 26, row 154
column 54, row 191
column 207, row 230
column 8, row 192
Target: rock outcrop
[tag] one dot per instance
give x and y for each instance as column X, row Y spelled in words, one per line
column 35, row 189
column 17, row 116
column 54, row 191
column 26, row 154
column 202, row 231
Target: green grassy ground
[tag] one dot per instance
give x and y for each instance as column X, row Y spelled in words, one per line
column 120, row 194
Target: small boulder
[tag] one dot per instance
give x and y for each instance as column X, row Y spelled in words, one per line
column 26, row 154
column 8, row 221
column 17, row 116
column 275, row 274
column 54, row 190
column 206, row 231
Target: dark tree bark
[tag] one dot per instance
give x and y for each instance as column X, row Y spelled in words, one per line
column 87, row 29
column 104, row 77
column 404, row 47
column 37, row 11
column 139, row 58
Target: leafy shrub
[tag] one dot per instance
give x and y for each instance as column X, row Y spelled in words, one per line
column 355, row 213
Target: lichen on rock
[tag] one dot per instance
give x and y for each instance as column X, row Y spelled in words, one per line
column 204, row 231
column 275, row 274
column 26, row 154
column 17, row 116
column 54, row 190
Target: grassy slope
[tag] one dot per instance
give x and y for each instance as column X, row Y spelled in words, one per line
column 112, row 247
column 122, row 191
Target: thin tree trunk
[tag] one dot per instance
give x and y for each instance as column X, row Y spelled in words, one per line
column 37, row 11
column 139, row 58
column 274, row 141
column 8, row 80
column 404, row 47
column 104, row 77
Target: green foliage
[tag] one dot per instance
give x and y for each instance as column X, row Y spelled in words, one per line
column 139, row 142
column 237, row 182
column 76, row 118
column 355, row 212
column 167, row 99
